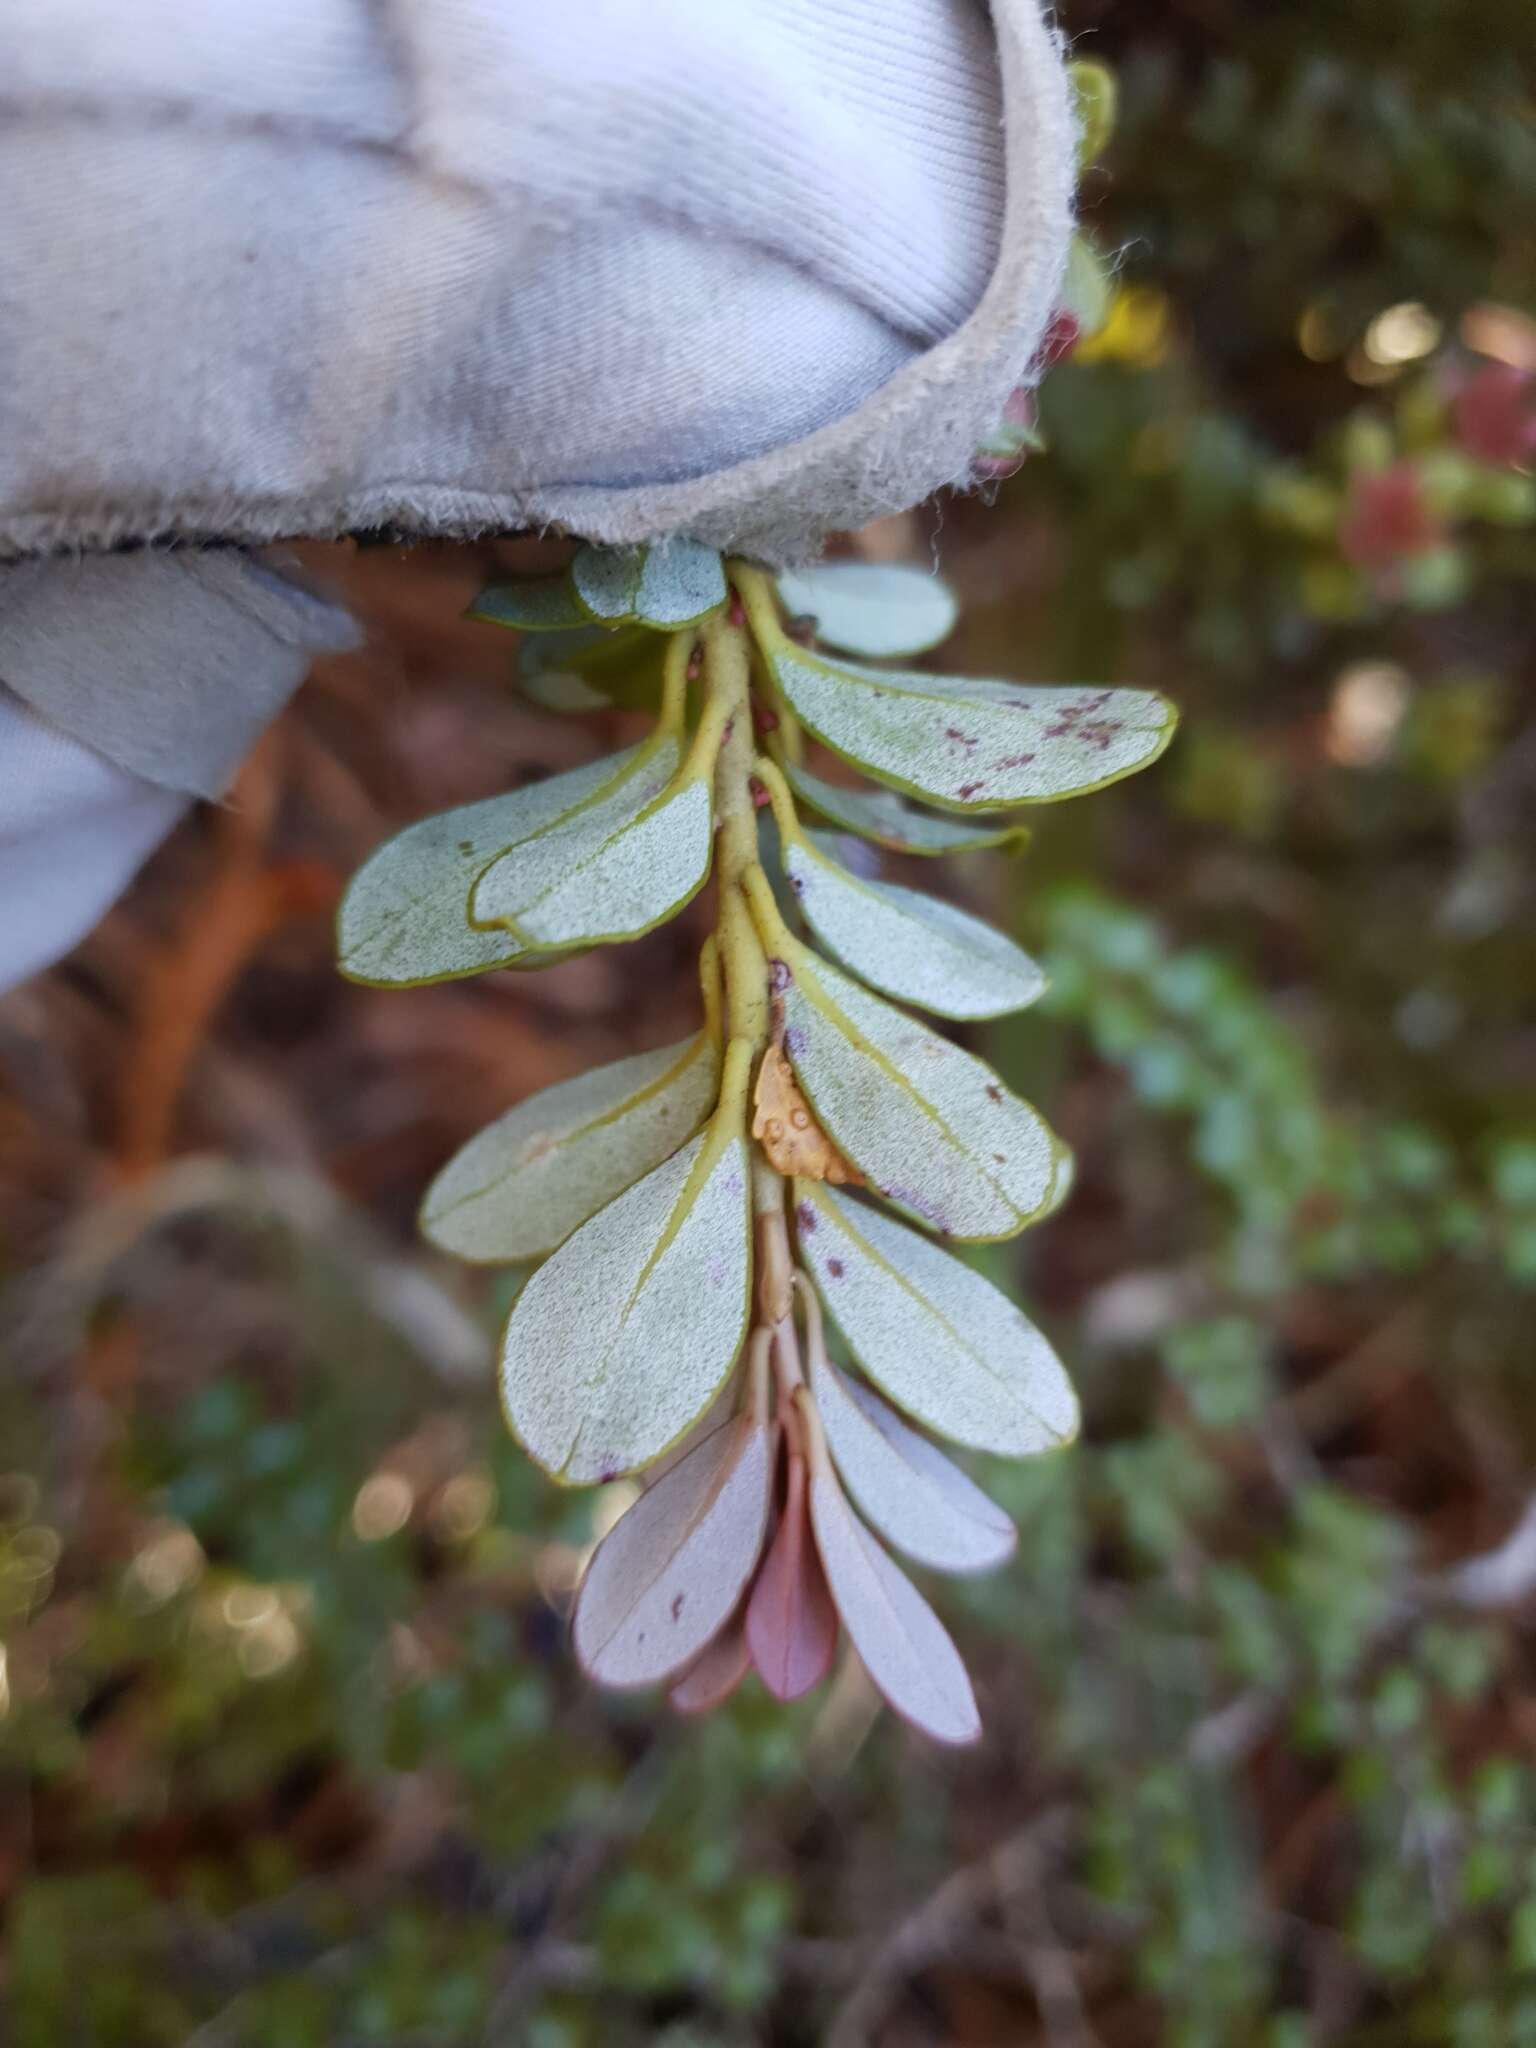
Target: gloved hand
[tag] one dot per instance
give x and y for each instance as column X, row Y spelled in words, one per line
column 281, row 267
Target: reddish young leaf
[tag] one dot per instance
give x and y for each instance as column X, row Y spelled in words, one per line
column 791, row 1622
column 710, row 1682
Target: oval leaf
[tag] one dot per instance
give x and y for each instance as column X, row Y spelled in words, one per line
column 710, row 1682
column 904, row 1646
column 403, row 918
column 622, row 1339
column 914, row 947
column 1087, row 290
column 973, row 745
column 522, row 1185
column 1095, row 96
column 791, row 1624
column 940, row 1341
column 607, row 581
column 556, row 689
column 872, row 608
column 610, row 872
column 889, row 820
column 929, row 1126
column 591, row 667
column 532, row 604
column 917, row 1498
column 673, row 584
column 667, row 1577
column 681, row 582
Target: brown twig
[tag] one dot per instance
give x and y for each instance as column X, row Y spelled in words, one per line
column 932, row 1931
column 242, row 901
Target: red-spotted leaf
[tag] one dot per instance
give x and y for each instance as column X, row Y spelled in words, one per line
column 889, row 820
column 667, row 1577
column 971, row 745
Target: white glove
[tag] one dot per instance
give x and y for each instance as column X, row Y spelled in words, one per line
column 157, row 671
column 274, row 267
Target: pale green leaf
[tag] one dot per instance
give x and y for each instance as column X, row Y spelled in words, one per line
column 607, row 582
column 935, row 1337
column 972, row 745
column 665, row 1580
column 534, row 604
column 556, row 689
column 1087, row 289
column 929, row 1126
column 915, row 947
column 403, row 920
column 522, row 1185
column 872, row 608
column 681, row 583
column 889, row 820
column 904, row 1646
column 622, row 1339
column 613, row 870
column 1095, row 94
column 673, row 584
column 592, row 667
column 918, row 1499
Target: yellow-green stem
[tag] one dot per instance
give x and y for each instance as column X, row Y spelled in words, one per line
column 741, row 954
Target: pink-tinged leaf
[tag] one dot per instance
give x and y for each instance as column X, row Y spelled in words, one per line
column 665, row 1580
column 904, row 1646
column 710, row 1682
column 918, row 1499
column 791, row 1622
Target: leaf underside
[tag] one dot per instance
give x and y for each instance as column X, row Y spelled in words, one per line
column 890, row 821
column 611, row 872
column 522, row 1185
column 403, row 920
column 937, row 1339
column 968, row 745
column 620, row 1341
column 876, row 609
column 666, row 1578
column 673, row 584
column 916, row 948
column 903, row 1644
column 929, row 1126
column 915, row 1497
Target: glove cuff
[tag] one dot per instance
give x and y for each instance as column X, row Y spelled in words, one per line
column 169, row 664
column 920, row 431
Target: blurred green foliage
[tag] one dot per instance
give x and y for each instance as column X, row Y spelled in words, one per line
column 292, row 1750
